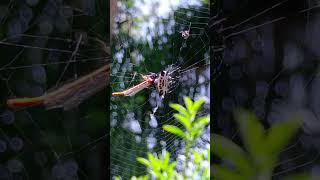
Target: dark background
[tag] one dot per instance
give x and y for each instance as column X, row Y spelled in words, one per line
column 56, row 144
column 271, row 70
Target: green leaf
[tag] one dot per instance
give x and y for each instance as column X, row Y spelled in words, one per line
column 143, row 161
column 196, row 157
column 165, row 160
column 226, row 149
column 198, row 127
column 201, row 122
column 183, row 120
column 252, row 133
column 279, row 135
column 189, row 104
column 178, row 108
column 197, row 104
column 171, row 167
column 195, row 133
column 221, row 173
column 174, row 130
column 157, row 174
column 153, row 162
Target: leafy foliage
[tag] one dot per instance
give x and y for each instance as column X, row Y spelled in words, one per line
column 262, row 149
column 186, row 116
column 160, row 167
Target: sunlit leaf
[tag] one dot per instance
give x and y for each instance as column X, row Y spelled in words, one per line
column 174, row 130
column 183, row 120
column 195, row 133
column 196, row 157
column 201, row 122
column 171, row 167
column 197, row 104
column 153, row 161
column 188, row 102
column 208, row 154
column 178, row 108
column 165, row 161
column 143, row 161
column 157, row 174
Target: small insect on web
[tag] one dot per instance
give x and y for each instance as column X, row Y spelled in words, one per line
column 185, row 34
column 163, row 81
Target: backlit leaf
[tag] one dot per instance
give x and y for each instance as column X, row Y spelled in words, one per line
column 183, row 120
column 197, row 104
column 174, row 130
column 178, row 108
column 143, row 161
column 189, row 104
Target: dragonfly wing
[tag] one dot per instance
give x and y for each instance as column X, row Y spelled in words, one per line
column 71, row 95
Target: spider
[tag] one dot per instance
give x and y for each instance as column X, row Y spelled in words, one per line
column 163, row 82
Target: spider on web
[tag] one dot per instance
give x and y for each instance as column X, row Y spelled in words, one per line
column 163, row 81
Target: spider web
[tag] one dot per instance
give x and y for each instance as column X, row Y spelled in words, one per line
column 269, row 53
column 44, row 44
column 149, row 41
